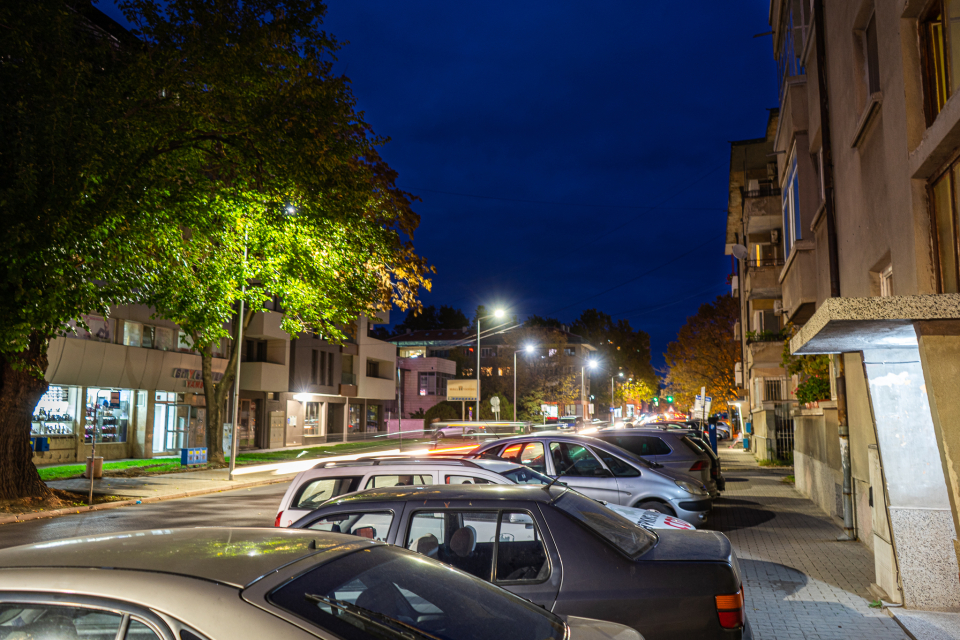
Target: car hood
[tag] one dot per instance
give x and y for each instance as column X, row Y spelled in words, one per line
column 692, row 546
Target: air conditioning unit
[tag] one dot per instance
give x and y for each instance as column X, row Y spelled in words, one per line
column 778, row 307
column 775, row 236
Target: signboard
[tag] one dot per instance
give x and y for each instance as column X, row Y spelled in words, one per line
column 462, row 390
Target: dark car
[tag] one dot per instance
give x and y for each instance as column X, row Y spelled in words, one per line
column 671, row 448
column 699, row 438
column 560, row 549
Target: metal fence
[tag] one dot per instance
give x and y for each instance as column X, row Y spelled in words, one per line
column 783, row 429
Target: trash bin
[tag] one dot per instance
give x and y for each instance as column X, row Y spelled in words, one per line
column 97, row 464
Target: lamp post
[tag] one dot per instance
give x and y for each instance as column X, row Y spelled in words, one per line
column 236, row 378
column 592, row 364
column 496, row 314
column 528, row 349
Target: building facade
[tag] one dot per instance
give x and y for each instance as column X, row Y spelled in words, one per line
column 866, row 145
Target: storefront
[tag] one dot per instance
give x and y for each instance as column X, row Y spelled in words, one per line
column 171, row 422
column 55, row 418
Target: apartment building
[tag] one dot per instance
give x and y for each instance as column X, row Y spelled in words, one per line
column 755, row 232
column 866, row 144
column 133, row 383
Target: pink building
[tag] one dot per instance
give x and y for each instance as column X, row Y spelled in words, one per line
column 424, row 382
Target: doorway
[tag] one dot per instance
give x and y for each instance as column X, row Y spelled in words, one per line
column 171, row 427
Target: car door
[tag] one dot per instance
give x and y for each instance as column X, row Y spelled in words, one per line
column 579, row 468
column 527, row 563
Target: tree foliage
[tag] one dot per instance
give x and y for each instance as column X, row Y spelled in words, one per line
column 705, row 354
column 813, row 372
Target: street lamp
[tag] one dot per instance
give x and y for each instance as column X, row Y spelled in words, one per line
column 529, row 349
column 499, row 313
column 593, row 365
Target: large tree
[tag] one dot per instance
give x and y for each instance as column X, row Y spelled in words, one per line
column 138, row 170
column 705, row 354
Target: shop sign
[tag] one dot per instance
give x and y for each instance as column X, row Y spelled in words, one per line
column 193, row 378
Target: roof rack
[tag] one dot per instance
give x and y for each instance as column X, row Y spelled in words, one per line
column 385, row 460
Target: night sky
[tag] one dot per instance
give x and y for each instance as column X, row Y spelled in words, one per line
column 564, row 148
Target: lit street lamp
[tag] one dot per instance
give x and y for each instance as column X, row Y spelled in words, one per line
column 529, row 349
column 499, row 313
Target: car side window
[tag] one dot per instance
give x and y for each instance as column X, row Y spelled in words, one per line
column 451, row 479
column 512, row 452
column 374, row 525
column 521, row 556
column 377, row 482
column 532, row 457
column 137, row 630
column 574, row 460
column 41, row 621
column 462, row 539
column 658, row 447
column 319, row 490
column 618, row 467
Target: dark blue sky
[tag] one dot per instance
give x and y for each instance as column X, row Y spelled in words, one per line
column 562, row 148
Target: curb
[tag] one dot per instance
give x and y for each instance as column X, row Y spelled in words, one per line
column 53, row 513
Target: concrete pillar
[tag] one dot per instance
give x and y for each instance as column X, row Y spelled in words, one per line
column 920, row 516
column 324, row 416
column 939, row 346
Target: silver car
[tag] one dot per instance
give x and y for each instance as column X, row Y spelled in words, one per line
column 232, row 584
column 605, row 472
column 672, row 449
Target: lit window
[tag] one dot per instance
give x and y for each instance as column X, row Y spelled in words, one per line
column 945, row 229
column 486, row 371
column 942, row 59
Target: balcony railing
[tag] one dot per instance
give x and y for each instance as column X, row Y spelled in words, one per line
column 766, row 336
column 348, row 378
column 765, row 262
column 762, row 192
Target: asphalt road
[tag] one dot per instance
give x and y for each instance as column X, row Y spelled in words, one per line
column 256, row 507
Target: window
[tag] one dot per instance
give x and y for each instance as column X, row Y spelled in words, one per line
column 886, row 282
column 791, row 208
column 628, row 537
column 132, row 333
column 428, row 385
column 500, row 371
column 943, row 200
column 488, row 352
column 372, row 525
column 329, row 381
column 569, row 351
column 532, row 457
column 35, row 620
column 163, row 339
column 378, row 482
column 941, row 59
column 618, row 467
column 521, row 556
column 462, row 539
column 574, row 460
column 486, row 371
column 318, row 491
column 794, row 31
column 871, row 56
column 426, row 596
column 373, row 368
column 466, row 480
column 184, row 342
column 440, row 353
column 311, row 419
column 315, row 367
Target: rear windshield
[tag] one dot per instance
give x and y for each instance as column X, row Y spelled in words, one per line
column 628, row 537
column 700, row 445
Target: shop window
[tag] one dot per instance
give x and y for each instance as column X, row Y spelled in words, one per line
column 247, row 424
column 944, row 215
column 311, row 419
column 373, row 418
column 941, row 55
column 791, row 209
column 55, row 414
column 107, row 415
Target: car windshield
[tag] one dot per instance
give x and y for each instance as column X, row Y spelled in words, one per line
column 526, row 475
column 386, row 592
column 629, row 537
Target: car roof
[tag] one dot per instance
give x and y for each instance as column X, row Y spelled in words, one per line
column 449, row 492
column 234, row 556
column 642, row 431
column 398, row 461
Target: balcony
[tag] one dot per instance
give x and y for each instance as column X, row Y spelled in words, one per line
column 762, row 210
column 263, row 376
column 798, row 283
column 762, row 279
column 766, row 353
column 266, row 326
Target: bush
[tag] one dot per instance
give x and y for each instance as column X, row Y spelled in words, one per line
column 506, row 408
column 440, row 412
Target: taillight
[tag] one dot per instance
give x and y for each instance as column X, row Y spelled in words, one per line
column 730, row 610
column 697, row 466
column 276, row 522
column 714, row 473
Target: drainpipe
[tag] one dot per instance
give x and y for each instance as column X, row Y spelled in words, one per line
column 843, row 427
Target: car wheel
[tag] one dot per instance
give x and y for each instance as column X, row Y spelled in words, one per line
column 470, row 433
column 439, row 436
column 659, row 507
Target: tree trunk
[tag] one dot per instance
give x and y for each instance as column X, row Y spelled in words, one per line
column 21, row 387
column 216, row 395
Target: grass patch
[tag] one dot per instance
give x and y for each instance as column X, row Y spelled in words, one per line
column 121, row 467
column 775, row 463
column 789, row 480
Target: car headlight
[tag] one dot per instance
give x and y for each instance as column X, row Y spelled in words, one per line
column 691, row 487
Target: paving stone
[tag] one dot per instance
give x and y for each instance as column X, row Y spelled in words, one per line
column 799, row 582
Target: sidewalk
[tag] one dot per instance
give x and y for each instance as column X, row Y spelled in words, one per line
column 799, row 581
column 166, row 485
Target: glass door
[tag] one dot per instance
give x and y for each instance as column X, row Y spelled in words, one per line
column 159, row 427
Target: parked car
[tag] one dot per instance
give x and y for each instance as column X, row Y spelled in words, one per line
column 311, row 488
column 460, row 429
column 562, row 551
column 672, row 449
column 605, row 472
column 230, row 584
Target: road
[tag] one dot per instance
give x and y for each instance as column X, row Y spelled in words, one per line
column 256, row 507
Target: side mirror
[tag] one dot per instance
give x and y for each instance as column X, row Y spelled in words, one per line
column 366, row 532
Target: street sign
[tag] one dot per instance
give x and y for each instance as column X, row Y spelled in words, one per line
column 462, row 390
column 495, row 405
